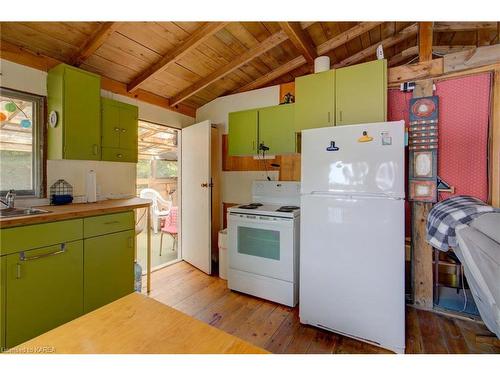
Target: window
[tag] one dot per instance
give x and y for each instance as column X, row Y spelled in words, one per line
column 21, row 143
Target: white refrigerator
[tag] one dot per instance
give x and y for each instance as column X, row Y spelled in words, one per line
column 352, row 253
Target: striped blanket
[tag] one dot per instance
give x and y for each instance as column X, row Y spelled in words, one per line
column 449, row 215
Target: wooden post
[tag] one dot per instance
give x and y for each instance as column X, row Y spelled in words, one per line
column 148, row 275
column 422, row 251
column 425, row 41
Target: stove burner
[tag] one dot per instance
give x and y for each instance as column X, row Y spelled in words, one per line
column 251, row 206
column 287, row 208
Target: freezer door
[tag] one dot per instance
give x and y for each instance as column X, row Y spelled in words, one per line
column 343, row 160
column 352, row 267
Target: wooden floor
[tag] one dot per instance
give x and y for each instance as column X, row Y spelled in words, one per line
column 277, row 328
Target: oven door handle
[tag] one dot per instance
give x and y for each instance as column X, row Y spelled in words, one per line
column 257, row 222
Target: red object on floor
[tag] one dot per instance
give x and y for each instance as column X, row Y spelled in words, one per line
column 464, row 110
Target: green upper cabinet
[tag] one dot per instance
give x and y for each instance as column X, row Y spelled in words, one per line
column 315, row 100
column 43, row 289
column 361, row 93
column 276, row 129
column 243, row 132
column 119, row 131
column 75, row 95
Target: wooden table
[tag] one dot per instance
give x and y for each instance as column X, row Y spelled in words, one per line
column 136, row 324
column 81, row 210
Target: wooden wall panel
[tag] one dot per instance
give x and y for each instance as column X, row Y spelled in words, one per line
column 244, row 163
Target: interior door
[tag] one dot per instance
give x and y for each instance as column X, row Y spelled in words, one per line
column 196, row 196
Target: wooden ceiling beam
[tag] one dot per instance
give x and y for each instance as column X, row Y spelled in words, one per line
column 300, row 39
column 404, row 34
column 94, row 42
column 437, row 50
column 20, row 55
column 305, row 24
column 346, row 36
column 171, row 57
column 425, row 41
column 239, row 61
column 272, row 75
column 463, row 26
column 402, row 56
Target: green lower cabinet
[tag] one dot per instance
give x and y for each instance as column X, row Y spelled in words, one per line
column 361, row 93
column 276, row 129
column 108, row 268
column 242, row 132
column 43, row 289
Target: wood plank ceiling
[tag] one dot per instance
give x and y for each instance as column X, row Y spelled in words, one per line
column 194, row 62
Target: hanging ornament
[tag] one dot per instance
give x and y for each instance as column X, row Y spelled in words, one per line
column 25, row 124
column 10, row 107
column 2, row 116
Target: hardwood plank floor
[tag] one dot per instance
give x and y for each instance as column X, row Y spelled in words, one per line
column 277, row 328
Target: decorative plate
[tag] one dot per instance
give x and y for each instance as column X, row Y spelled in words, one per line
column 53, row 117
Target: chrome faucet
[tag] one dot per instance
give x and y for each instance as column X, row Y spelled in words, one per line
column 10, row 199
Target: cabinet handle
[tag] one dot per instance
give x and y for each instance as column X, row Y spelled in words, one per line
column 253, row 145
column 124, row 130
column 112, row 222
column 95, row 149
column 340, row 114
column 24, row 258
column 117, row 129
column 130, row 242
column 119, row 155
column 328, row 116
column 18, row 271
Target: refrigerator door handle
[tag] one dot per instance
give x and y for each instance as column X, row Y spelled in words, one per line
column 356, row 195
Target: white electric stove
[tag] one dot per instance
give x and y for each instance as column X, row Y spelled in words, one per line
column 263, row 242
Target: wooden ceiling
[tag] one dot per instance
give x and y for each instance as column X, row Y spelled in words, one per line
column 194, row 62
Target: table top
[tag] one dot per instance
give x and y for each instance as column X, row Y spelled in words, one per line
column 136, row 324
column 75, row 210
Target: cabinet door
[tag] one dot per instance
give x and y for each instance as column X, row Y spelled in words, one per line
column 110, row 123
column 82, row 114
column 242, row 137
column 128, row 127
column 108, row 268
column 315, row 100
column 276, row 129
column 361, row 93
column 44, row 289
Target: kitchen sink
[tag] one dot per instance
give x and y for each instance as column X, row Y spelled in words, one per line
column 13, row 212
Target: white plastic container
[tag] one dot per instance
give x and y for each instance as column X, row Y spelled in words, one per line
column 321, row 64
column 223, row 254
column 91, row 186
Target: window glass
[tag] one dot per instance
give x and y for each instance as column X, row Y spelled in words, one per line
column 20, row 143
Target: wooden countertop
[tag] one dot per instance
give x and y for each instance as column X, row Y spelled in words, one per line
column 136, row 324
column 75, row 210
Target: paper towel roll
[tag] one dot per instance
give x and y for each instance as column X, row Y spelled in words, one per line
column 321, row 64
column 91, row 187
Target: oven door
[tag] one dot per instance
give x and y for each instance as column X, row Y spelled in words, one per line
column 261, row 245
